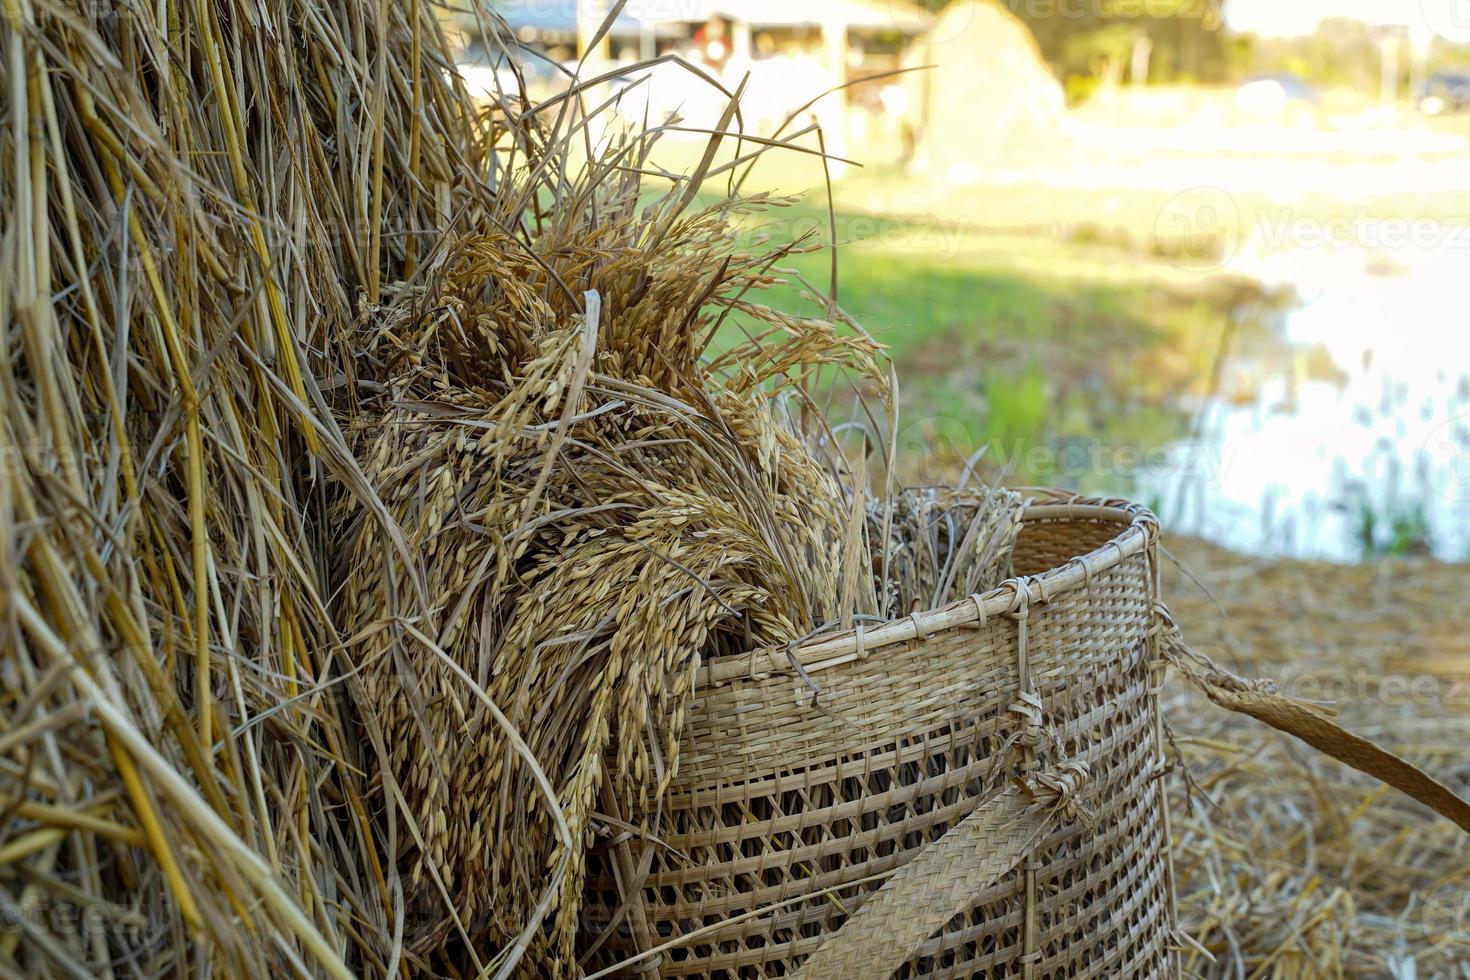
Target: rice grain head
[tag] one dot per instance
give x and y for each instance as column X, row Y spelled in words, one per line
column 591, row 529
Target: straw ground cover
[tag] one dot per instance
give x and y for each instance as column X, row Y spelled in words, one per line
column 1291, row 865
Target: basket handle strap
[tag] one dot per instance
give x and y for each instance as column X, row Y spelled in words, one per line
column 944, row 878
column 1314, row 725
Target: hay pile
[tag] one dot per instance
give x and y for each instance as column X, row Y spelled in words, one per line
column 194, row 199
column 990, row 101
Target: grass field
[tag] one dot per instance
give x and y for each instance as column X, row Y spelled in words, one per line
column 1085, row 296
column 1015, row 341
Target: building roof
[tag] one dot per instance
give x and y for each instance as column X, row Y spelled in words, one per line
column 561, row 18
column 872, row 14
column 656, row 15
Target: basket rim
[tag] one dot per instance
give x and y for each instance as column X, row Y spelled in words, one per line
column 1010, row 597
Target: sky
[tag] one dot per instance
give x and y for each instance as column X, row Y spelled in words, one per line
column 1290, row 17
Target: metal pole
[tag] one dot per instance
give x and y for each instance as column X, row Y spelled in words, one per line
column 1388, row 84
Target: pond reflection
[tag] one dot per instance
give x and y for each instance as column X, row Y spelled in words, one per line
column 1369, row 457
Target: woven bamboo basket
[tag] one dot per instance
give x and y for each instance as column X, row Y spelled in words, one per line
column 971, row 791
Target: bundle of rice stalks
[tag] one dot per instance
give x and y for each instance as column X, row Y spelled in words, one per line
column 944, row 543
column 194, row 196
column 597, row 503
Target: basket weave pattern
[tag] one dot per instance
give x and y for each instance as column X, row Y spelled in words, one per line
column 785, row 791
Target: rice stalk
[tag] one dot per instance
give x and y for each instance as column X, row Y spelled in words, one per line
column 597, row 505
column 185, row 240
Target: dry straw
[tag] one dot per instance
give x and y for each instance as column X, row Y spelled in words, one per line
column 1290, row 865
column 195, row 196
column 200, row 203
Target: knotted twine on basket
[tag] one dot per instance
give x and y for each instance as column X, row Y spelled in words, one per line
column 992, row 841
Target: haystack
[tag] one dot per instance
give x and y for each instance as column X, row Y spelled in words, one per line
column 989, row 98
column 195, row 200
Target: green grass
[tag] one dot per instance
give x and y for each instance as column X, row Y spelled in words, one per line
column 1392, row 528
column 1025, row 345
column 1020, row 319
